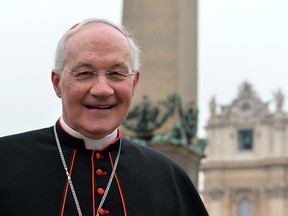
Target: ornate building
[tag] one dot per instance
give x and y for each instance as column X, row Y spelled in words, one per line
column 246, row 168
column 164, row 112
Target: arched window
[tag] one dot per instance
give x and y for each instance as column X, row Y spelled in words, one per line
column 245, row 208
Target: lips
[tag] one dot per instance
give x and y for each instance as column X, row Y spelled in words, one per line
column 99, row 106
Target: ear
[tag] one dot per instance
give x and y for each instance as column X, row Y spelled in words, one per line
column 136, row 80
column 55, row 78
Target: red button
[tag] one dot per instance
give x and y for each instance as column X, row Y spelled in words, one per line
column 98, row 156
column 100, row 172
column 100, row 191
column 102, row 211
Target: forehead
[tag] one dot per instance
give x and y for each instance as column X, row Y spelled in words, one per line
column 95, row 42
column 99, row 36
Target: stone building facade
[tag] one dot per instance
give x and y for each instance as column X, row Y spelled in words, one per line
column 246, row 165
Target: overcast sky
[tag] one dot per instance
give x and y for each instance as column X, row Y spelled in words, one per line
column 30, row 31
column 238, row 40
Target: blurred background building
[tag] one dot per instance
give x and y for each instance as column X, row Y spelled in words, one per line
column 246, row 168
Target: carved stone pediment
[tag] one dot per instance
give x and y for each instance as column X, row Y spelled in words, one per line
column 246, row 105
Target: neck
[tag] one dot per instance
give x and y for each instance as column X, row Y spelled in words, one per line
column 91, row 144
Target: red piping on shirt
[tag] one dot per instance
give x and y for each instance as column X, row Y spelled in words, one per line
column 67, row 184
column 119, row 187
column 93, row 184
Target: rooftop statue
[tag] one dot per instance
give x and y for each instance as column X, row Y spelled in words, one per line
column 279, row 97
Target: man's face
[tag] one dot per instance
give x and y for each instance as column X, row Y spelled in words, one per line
column 96, row 107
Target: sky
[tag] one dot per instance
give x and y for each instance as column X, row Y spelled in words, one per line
column 30, row 31
column 239, row 40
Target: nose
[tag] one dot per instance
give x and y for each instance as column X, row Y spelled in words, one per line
column 101, row 87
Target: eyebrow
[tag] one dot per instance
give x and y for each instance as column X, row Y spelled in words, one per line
column 120, row 65
column 82, row 65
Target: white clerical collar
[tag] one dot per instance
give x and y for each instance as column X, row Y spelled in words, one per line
column 92, row 144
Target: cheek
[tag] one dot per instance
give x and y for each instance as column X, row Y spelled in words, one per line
column 126, row 92
column 71, row 93
column 126, row 98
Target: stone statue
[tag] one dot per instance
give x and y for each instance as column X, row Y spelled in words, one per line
column 145, row 118
column 279, row 97
column 212, row 106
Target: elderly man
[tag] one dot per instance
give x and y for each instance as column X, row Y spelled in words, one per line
column 82, row 165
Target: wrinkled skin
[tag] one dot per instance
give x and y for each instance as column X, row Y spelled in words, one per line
column 96, row 109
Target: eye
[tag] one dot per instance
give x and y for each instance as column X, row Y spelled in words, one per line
column 84, row 74
column 116, row 75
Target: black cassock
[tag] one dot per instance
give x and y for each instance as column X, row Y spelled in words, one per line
column 146, row 183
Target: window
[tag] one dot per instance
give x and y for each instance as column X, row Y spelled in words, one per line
column 245, row 139
column 245, row 208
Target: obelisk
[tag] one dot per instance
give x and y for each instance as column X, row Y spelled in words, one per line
column 167, row 33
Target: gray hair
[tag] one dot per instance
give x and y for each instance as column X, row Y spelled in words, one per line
column 62, row 52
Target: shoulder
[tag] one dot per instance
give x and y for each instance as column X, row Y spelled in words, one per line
column 149, row 157
column 142, row 150
column 146, row 166
column 28, row 137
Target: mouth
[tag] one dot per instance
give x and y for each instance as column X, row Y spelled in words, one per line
column 100, row 107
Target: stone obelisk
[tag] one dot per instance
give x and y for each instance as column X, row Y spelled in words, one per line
column 167, row 33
